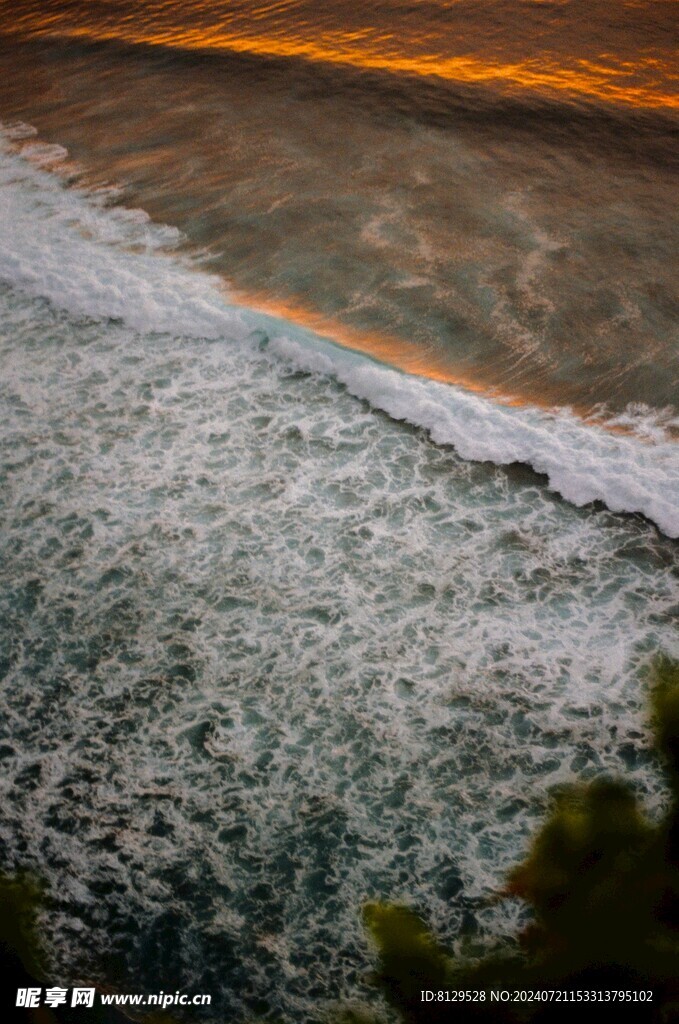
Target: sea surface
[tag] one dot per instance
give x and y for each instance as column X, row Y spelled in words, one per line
column 339, row 466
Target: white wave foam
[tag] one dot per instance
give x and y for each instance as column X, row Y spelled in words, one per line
column 653, row 424
column 66, row 246
column 17, row 131
column 42, row 154
column 288, row 656
column 583, row 463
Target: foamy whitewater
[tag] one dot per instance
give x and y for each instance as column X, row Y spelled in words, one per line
column 268, row 652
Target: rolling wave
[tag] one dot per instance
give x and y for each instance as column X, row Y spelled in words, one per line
column 85, row 256
column 267, row 653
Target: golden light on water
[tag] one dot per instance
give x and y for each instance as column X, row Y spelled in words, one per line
column 452, row 262
column 393, row 352
column 646, row 82
column 584, row 78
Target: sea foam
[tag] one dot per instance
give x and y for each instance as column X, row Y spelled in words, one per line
column 267, row 654
column 87, row 257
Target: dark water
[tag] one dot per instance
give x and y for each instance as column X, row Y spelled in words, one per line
column 622, row 52
column 284, row 628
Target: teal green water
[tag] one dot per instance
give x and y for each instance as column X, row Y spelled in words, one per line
column 267, row 652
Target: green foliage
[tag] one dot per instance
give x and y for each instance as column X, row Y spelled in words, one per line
column 23, row 961
column 20, row 898
column 603, row 884
column 665, row 715
column 354, row 1015
column 593, row 847
column 410, row 958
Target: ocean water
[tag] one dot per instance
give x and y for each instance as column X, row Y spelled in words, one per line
column 340, row 485
column 514, row 233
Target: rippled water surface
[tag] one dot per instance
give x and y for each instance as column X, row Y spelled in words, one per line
column 339, row 484
column 507, row 220
column 623, row 52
